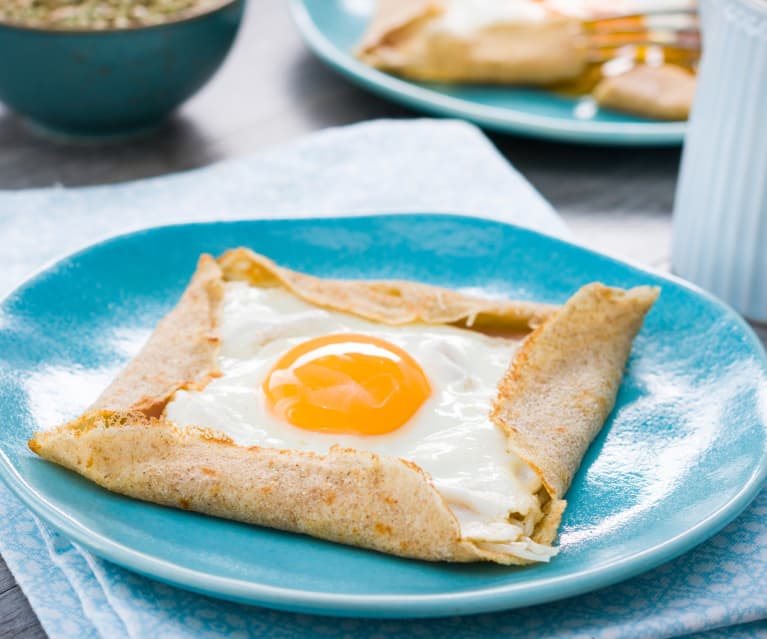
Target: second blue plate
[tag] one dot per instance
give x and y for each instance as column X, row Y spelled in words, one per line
column 332, row 29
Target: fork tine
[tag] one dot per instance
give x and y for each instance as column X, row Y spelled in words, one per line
column 671, row 36
column 670, row 21
column 688, row 41
column 615, row 8
column 643, row 53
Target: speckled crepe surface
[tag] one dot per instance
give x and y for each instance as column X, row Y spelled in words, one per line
column 128, row 446
column 713, row 592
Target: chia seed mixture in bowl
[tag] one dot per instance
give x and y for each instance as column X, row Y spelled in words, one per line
column 100, row 14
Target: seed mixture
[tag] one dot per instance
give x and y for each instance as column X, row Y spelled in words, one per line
column 100, row 14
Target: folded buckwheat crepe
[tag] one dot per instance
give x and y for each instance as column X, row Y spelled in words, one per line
column 396, row 416
column 542, row 43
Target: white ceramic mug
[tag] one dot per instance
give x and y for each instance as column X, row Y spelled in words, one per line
column 720, row 211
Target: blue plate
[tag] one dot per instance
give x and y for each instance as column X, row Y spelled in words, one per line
column 332, row 29
column 683, row 453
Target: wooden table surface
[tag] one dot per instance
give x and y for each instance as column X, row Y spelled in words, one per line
column 271, row 90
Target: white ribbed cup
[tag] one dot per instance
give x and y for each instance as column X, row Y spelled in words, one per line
column 720, row 211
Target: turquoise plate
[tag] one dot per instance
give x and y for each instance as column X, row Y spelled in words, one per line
column 332, row 29
column 683, row 453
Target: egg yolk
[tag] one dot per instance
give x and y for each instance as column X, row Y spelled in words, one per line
column 346, row 383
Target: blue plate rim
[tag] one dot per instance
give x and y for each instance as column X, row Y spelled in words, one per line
column 388, row 606
column 637, row 133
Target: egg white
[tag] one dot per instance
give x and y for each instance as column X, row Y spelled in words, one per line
column 450, row 437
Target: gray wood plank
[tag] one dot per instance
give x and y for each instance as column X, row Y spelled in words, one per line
column 16, row 617
column 6, row 578
column 615, row 200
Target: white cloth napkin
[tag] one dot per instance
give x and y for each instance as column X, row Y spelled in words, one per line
column 397, row 166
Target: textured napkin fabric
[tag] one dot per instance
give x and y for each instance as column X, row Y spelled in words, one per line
column 378, row 167
column 375, row 167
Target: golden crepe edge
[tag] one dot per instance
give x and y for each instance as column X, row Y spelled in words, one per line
column 351, row 496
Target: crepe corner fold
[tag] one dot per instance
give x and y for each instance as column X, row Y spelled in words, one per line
column 552, row 402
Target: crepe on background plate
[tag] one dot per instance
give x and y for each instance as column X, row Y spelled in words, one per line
column 473, row 41
column 233, row 356
column 627, row 61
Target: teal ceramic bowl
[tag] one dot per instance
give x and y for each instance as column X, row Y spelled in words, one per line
column 112, row 82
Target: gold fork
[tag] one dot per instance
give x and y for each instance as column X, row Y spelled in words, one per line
column 615, row 43
column 652, row 38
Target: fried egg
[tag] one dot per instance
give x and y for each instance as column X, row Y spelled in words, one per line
column 296, row 376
